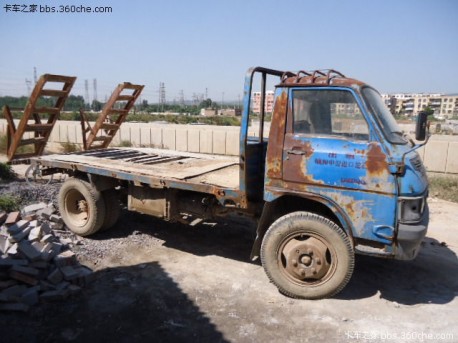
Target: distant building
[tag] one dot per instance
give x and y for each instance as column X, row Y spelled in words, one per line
column 208, row 112
column 232, row 112
column 410, row 104
column 256, row 102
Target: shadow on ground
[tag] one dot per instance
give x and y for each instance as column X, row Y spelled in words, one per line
column 429, row 279
column 141, row 303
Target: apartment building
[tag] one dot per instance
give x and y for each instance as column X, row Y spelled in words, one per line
column 445, row 106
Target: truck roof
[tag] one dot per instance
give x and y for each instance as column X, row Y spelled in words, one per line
column 328, row 77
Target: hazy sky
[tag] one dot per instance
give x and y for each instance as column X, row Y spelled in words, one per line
column 394, row 45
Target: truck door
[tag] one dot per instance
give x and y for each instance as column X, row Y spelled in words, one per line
column 329, row 149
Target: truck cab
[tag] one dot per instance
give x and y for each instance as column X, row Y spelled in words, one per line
column 339, row 177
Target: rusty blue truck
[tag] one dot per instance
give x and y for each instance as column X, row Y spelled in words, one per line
column 333, row 176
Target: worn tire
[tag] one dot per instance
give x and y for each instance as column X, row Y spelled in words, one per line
column 81, row 206
column 112, row 208
column 307, row 256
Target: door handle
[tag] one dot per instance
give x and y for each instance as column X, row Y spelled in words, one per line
column 295, row 152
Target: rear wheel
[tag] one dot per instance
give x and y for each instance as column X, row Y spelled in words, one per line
column 81, row 206
column 112, row 208
column 307, row 256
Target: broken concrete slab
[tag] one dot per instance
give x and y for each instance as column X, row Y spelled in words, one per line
column 65, row 258
column 35, row 234
column 30, row 280
column 4, row 244
column 26, row 270
column 17, row 307
column 30, row 297
column 47, row 212
column 70, row 273
column 32, row 209
column 54, row 295
column 3, row 216
column 16, row 238
column 12, row 218
column 55, row 276
column 18, row 227
column 7, row 261
column 29, row 250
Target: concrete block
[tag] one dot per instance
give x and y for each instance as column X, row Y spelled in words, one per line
column 55, row 276
column 55, row 295
column 194, row 140
column 4, row 244
column 35, row 234
column 169, row 138
column 145, row 136
column 436, row 156
column 39, row 264
column 181, row 139
column 69, row 273
column 74, row 289
column 65, row 258
column 29, row 250
column 13, row 250
column 46, row 286
column 30, row 280
column 31, row 209
column 47, row 212
column 16, row 238
column 3, row 216
column 63, row 285
column 18, row 227
column 16, row 307
column 452, row 158
column 232, row 143
column 219, row 142
column 7, row 261
column 7, row 284
column 56, row 218
column 30, row 297
column 48, row 238
column 12, row 218
column 56, row 226
column 46, row 229
column 156, row 137
column 27, row 270
column 206, row 141
column 13, row 293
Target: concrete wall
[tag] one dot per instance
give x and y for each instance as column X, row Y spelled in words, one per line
column 440, row 154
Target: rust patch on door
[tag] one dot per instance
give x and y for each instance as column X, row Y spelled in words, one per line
column 276, row 137
column 376, row 163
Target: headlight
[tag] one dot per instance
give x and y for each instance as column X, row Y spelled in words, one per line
column 411, row 209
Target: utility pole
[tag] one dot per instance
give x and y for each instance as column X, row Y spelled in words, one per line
column 28, row 83
column 95, row 89
column 35, row 78
column 181, row 98
column 86, row 92
column 162, row 95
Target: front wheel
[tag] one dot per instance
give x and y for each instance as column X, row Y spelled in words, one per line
column 81, row 206
column 307, row 256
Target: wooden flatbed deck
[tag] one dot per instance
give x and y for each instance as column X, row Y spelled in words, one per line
column 152, row 166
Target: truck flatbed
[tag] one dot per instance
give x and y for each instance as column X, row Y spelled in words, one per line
column 153, row 167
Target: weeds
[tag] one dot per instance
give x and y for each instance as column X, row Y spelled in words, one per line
column 9, row 203
column 6, row 172
column 69, row 147
column 444, row 187
column 125, row 144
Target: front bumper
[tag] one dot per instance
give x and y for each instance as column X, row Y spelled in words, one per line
column 410, row 236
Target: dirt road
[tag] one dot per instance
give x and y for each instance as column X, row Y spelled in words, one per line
column 158, row 282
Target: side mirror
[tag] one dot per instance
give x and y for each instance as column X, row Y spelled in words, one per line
column 420, row 129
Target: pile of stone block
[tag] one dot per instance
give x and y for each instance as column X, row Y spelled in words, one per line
column 36, row 265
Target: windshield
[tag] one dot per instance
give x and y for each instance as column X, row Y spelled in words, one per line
column 386, row 120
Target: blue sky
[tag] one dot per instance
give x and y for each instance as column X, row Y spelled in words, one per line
column 394, row 45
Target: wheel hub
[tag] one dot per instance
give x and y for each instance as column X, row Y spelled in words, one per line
column 306, row 259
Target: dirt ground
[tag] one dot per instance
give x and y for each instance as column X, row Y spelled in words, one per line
column 161, row 282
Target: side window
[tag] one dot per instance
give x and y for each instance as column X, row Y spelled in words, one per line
column 328, row 112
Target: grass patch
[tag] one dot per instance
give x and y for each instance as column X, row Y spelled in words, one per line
column 9, row 203
column 69, row 147
column 444, row 187
column 6, row 172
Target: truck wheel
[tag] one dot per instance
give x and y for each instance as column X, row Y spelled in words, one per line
column 307, row 256
column 112, row 208
column 81, row 206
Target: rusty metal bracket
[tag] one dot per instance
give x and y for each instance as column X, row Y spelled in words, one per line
column 112, row 116
column 37, row 122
